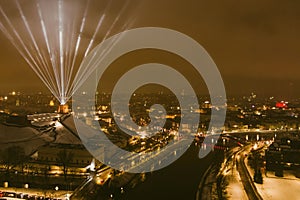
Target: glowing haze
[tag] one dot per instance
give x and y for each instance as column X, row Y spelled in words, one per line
column 254, row 43
column 54, row 36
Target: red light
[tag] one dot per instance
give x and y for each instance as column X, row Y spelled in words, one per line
column 281, row 104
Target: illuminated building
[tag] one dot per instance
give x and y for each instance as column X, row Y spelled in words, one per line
column 51, row 103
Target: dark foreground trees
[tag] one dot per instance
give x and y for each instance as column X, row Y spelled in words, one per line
column 12, row 157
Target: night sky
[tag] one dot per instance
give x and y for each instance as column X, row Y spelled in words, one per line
column 255, row 44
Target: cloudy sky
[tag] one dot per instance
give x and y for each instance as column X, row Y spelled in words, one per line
column 255, row 44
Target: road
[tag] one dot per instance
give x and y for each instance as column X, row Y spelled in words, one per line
column 87, row 187
column 246, row 177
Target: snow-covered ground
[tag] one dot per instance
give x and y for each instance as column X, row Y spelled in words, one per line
column 276, row 188
column 64, row 135
column 26, row 137
column 69, row 121
column 235, row 189
column 31, row 138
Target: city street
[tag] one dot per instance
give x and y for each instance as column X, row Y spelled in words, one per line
column 36, row 193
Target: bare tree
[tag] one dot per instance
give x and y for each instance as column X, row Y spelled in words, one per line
column 65, row 159
column 13, row 156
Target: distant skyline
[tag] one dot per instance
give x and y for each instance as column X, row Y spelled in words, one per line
column 255, row 44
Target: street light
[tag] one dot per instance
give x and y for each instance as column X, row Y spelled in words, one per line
column 255, row 146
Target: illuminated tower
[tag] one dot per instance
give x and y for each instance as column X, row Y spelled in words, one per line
column 63, row 109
